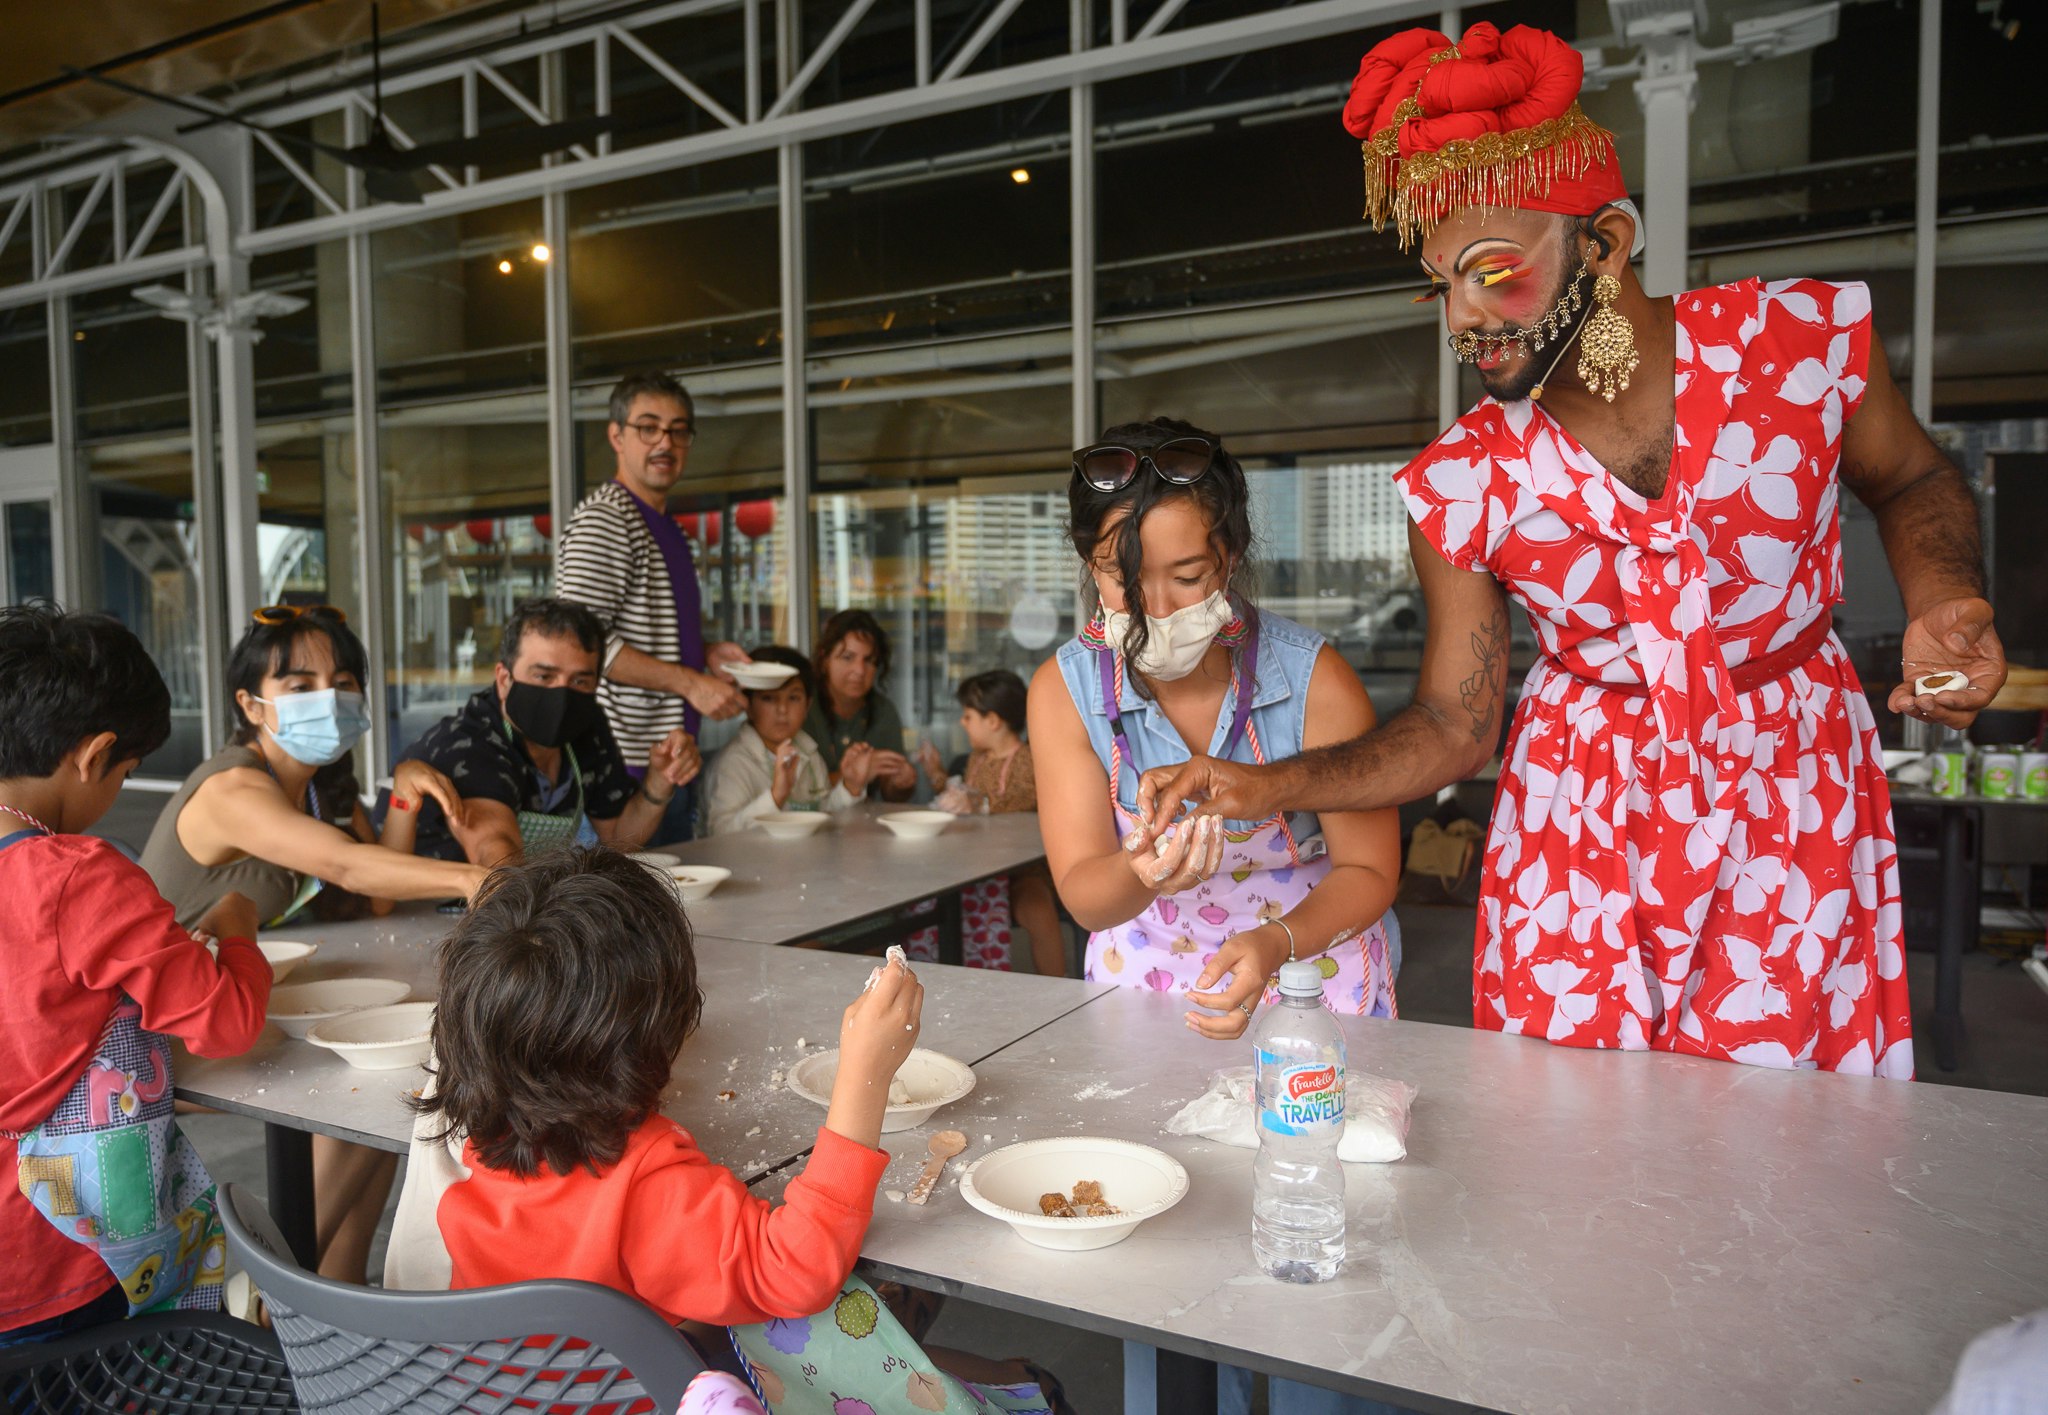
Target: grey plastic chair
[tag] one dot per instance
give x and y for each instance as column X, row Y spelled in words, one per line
column 174, row 1363
column 562, row 1347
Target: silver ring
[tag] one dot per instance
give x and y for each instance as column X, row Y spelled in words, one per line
column 1246, row 1009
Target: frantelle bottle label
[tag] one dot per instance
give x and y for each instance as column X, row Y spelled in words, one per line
column 1310, row 1100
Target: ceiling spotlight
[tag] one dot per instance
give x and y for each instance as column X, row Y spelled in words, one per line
column 1020, row 175
column 504, row 267
column 541, row 252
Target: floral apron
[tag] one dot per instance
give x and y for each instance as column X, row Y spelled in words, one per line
column 110, row 1169
column 854, row 1358
column 1265, row 872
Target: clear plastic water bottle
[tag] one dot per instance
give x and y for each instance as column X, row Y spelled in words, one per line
column 1297, row 1181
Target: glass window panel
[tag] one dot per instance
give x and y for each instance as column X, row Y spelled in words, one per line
column 450, row 323
column 128, row 367
column 24, row 375
column 31, row 571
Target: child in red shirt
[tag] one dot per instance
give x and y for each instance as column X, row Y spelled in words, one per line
column 81, row 927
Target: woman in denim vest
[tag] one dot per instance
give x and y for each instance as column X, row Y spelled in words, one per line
column 1175, row 660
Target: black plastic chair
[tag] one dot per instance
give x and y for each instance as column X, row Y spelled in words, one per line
column 562, row 1347
column 173, row 1363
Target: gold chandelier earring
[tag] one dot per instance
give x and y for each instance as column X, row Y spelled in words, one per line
column 1607, row 345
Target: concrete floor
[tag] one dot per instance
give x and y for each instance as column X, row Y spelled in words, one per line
column 2005, row 1048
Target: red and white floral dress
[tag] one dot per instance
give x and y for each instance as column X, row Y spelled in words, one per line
column 1692, row 845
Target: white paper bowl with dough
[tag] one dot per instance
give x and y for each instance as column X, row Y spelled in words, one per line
column 1136, row 1179
column 792, row 825
column 297, row 1007
column 284, row 954
column 760, row 677
column 916, row 825
column 379, row 1038
column 932, row 1078
column 695, row 882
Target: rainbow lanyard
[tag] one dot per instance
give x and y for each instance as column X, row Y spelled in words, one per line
column 1241, row 716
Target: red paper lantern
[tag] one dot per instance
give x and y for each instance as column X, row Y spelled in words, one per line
column 545, row 524
column 417, row 532
column 703, row 528
column 754, row 518
column 442, row 526
column 482, row 532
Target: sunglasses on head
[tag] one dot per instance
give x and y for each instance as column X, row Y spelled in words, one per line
column 274, row 614
column 1110, row 466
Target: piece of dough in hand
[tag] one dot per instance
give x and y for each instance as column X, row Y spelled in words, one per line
column 1940, row 682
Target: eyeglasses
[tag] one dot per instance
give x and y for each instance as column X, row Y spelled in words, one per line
column 274, row 614
column 1109, row 466
column 651, row 433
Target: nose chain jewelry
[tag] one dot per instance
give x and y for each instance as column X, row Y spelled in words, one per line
column 1471, row 346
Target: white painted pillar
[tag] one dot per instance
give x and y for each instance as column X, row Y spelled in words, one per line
column 1926, row 174
column 1666, row 91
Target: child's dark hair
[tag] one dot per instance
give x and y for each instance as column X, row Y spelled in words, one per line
column 998, row 691
column 266, row 650
column 566, row 991
column 1221, row 495
column 67, row 677
column 788, row 658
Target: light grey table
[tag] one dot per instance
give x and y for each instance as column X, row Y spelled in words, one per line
column 852, row 871
column 1571, row 1231
column 760, row 1002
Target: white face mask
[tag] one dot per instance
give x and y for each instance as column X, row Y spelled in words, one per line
column 1175, row 645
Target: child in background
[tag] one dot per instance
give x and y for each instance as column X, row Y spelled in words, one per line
column 999, row 772
column 99, row 976
column 772, row 764
column 565, row 996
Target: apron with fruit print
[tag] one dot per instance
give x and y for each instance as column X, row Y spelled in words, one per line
column 1265, row 872
column 854, row 1358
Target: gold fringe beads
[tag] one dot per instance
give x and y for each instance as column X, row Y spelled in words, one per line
column 1493, row 170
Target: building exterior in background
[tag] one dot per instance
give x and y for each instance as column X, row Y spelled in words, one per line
column 904, row 272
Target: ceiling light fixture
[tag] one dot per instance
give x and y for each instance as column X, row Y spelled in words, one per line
column 541, row 252
column 504, row 267
column 1021, row 176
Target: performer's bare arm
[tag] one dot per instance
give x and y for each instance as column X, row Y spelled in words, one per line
column 1445, row 735
column 1928, row 520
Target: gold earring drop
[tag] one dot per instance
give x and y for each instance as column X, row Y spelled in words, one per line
column 1607, row 345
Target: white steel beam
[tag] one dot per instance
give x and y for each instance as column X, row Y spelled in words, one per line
column 676, row 77
column 978, row 41
column 150, row 223
column 372, row 543
column 73, row 533
column 1926, row 187
column 55, row 263
column 1087, row 416
column 1194, row 44
column 524, row 104
column 213, row 624
column 820, row 57
column 1162, row 17
column 299, row 174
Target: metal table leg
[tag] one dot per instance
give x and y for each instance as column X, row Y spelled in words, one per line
column 1186, row 1384
column 952, row 929
column 1959, row 828
column 288, row 1165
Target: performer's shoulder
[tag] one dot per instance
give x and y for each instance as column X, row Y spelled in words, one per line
column 1472, row 441
column 1839, row 304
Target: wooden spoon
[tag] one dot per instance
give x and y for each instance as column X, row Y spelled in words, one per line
column 944, row 1145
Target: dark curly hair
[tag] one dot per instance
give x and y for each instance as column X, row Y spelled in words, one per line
column 1221, row 495
column 566, row 992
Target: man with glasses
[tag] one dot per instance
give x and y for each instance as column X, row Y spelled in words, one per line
column 626, row 560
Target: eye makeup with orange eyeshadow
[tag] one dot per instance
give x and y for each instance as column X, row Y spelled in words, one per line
column 1492, row 273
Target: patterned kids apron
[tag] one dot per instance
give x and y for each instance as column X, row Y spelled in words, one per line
column 110, row 1169
column 1265, row 873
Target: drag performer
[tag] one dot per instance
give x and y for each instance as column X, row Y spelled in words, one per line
column 1691, row 849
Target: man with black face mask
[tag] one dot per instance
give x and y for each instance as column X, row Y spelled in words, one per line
column 533, row 757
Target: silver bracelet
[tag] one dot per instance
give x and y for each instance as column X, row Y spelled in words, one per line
column 1290, row 937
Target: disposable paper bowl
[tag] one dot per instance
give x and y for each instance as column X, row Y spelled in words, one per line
column 379, row 1038
column 1140, row 1181
column 792, row 825
column 760, row 677
column 285, row 955
column 694, row 882
column 933, row 1079
column 296, row 1007
column 916, row 825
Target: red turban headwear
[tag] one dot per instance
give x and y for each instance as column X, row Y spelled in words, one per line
column 1491, row 121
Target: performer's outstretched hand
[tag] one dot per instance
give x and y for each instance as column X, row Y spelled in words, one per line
column 1233, row 790
column 1953, row 636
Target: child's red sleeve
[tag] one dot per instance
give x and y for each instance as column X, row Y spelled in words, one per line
column 114, row 931
column 697, row 1244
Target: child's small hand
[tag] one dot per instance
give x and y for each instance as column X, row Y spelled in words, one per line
column 784, row 782
column 875, row 1035
column 232, row 916
column 934, row 767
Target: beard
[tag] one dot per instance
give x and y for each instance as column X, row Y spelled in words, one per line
column 1517, row 377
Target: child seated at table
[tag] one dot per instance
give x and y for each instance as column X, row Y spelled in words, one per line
column 772, row 764
column 999, row 774
column 565, row 996
column 99, row 978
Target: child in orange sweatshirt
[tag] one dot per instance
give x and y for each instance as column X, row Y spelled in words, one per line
column 566, row 994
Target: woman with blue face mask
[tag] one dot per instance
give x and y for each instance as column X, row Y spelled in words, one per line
column 274, row 815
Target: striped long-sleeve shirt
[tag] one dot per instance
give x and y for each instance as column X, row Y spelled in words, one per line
column 608, row 560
